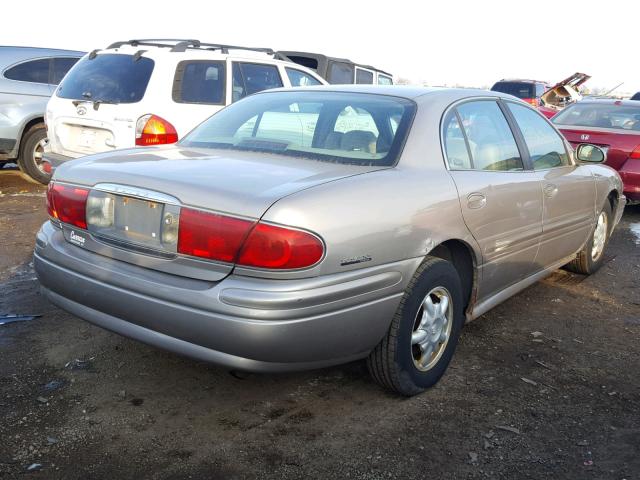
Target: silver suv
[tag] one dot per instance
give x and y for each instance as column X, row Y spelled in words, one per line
column 28, row 78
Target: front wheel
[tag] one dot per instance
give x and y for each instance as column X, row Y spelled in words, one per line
column 424, row 331
column 591, row 257
column 31, row 152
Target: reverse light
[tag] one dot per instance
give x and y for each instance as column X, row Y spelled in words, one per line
column 100, row 209
column 67, row 204
column 154, row 130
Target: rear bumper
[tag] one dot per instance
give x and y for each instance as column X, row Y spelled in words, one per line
column 630, row 175
column 240, row 322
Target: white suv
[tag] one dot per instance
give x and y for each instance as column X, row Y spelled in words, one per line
column 151, row 92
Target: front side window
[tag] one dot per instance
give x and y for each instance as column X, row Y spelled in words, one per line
column 249, row 78
column 300, row 79
column 491, row 142
column 199, row 81
column 364, row 77
column 108, row 78
column 340, row 73
column 34, row 71
column 545, row 146
column 325, row 126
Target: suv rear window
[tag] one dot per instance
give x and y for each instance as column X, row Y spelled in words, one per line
column 517, row 89
column 199, row 81
column 325, row 126
column 109, row 78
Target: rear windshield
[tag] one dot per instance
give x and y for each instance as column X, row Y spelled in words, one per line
column 361, row 129
column 517, row 89
column 621, row 117
column 109, row 78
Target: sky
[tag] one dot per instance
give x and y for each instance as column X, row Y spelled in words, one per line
column 442, row 42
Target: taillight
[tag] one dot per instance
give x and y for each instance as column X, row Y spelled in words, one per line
column 246, row 243
column 67, row 204
column 271, row 246
column 532, row 101
column 154, row 130
column 212, row 236
column 636, row 153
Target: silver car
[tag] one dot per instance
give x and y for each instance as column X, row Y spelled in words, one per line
column 309, row 227
column 28, row 77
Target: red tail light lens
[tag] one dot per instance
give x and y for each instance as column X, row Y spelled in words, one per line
column 67, row 204
column 212, row 236
column 636, row 153
column 154, row 130
column 531, row 101
column 270, row 246
column 235, row 240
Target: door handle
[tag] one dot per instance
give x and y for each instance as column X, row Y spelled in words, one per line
column 550, row 190
column 476, row 200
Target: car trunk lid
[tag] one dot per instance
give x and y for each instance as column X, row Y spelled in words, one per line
column 618, row 144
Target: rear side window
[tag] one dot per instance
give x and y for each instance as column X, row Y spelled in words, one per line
column 384, row 80
column 517, row 89
column 364, row 76
column 490, row 140
column 199, row 81
column 251, row 78
column 340, row 73
column 455, row 145
column 300, row 79
column 109, row 78
column 34, row 71
column 546, row 148
column 61, row 66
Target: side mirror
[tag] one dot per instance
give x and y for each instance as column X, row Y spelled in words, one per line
column 590, row 153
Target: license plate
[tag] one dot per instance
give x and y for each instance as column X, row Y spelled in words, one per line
column 87, row 138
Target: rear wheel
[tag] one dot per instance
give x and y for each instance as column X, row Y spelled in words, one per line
column 31, row 152
column 424, row 332
column 591, row 257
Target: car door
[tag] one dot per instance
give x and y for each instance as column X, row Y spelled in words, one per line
column 501, row 200
column 568, row 189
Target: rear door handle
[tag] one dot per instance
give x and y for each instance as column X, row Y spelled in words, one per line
column 476, row 200
column 550, row 190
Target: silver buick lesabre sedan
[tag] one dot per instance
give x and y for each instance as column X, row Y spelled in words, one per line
column 302, row 228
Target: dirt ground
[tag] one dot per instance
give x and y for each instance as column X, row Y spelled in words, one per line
column 543, row 386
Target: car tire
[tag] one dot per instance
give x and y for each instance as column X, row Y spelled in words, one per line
column 414, row 354
column 591, row 257
column 30, row 147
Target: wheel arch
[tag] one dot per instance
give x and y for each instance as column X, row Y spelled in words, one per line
column 463, row 258
column 25, row 128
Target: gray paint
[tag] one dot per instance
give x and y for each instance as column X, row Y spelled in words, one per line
column 335, row 310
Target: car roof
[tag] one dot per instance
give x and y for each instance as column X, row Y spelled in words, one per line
column 288, row 53
column 522, row 80
column 12, row 54
column 402, row 91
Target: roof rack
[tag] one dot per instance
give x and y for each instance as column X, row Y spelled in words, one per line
column 181, row 45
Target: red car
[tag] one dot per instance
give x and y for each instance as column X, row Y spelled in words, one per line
column 613, row 125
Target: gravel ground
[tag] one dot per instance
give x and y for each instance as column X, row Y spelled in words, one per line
column 543, row 386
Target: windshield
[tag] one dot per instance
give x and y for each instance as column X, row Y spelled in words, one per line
column 109, row 78
column 621, row 117
column 517, row 89
column 351, row 128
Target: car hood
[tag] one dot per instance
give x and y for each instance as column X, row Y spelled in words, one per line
column 241, row 183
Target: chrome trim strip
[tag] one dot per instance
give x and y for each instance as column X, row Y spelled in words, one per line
column 136, row 192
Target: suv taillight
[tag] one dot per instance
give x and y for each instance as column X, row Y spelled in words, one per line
column 154, row 130
column 532, row 101
column 67, row 204
column 246, row 243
